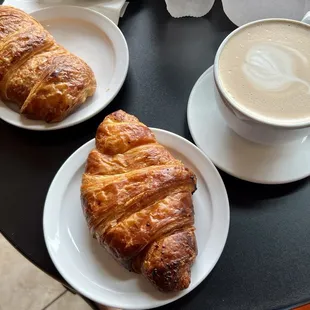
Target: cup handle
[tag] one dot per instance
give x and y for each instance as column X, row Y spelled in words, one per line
column 306, row 18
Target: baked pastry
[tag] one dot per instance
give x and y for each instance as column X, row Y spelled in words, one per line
column 45, row 80
column 137, row 200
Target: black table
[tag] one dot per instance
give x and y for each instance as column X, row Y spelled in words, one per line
column 266, row 261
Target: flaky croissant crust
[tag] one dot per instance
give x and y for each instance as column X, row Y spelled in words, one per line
column 45, row 80
column 137, row 199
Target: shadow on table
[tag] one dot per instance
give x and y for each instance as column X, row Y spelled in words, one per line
column 242, row 192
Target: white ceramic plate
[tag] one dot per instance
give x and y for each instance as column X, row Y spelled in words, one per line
column 95, row 39
column 90, row 270
column 237, row 156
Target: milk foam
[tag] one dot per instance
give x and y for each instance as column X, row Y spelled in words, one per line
column 271, row 67
column 265, row 69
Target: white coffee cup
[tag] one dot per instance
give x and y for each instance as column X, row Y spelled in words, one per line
column 248, row 126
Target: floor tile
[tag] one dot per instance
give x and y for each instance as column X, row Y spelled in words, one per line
column 69, row 301
column 23, row 286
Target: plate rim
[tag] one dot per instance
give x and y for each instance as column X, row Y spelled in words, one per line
column 214, row 161
column 61, row 125
column 224, row 224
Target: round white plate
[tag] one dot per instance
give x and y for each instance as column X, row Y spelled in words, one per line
column 237, row 156
column 99, row 42
column 88, row 267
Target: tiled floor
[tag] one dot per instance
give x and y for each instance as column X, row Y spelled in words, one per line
column 24, row 287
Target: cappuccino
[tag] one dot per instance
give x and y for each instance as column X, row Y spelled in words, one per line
column 265, row 70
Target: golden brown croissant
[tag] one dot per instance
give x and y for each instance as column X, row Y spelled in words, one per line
column 137, row 199
column 45, row 80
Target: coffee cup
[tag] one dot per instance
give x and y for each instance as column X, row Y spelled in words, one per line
column 262, row 80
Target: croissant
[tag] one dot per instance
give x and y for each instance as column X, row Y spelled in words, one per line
column 45, row 80
column 137, row 200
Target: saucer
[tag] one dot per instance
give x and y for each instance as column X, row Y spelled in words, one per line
column 235, row 155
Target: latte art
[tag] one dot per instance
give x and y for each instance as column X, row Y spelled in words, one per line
column 265, row 68
column 271, row 68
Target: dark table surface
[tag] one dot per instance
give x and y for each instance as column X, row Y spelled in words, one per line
column 266, row 261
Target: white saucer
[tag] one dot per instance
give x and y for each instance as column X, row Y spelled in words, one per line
column 88, row 268
column 99, row 42
column 235, row 155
